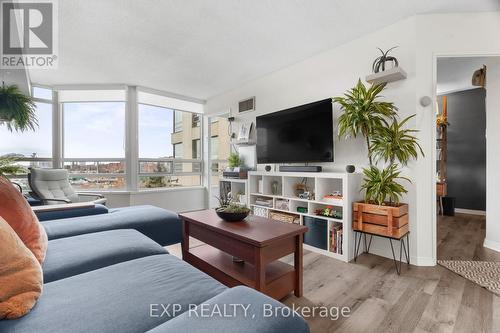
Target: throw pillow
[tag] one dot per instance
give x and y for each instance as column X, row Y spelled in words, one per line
column 17, row 212
column 21, row 277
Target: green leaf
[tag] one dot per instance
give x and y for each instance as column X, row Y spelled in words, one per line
column 17, row 110
column 381, row 185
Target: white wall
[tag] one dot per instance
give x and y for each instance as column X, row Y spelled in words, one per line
column 330, row 73
column 178, row 200
column 442, row 35
column 492, row 240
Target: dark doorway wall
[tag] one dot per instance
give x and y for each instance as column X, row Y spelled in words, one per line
column 466, row 160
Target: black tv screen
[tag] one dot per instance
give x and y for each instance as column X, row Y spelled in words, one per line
column 296, row 135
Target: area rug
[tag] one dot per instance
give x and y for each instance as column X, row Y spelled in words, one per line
column 484, row 273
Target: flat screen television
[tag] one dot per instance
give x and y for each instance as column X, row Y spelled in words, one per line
column 297, row 135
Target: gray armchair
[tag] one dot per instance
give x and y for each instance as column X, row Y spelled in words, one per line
column 52, row 186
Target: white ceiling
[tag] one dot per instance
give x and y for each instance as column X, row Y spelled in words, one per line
column 202, row 48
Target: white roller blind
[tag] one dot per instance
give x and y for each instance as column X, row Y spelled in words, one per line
column 92, row 96
column 169, row 102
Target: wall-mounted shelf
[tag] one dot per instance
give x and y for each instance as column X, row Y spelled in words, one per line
column 390, row 75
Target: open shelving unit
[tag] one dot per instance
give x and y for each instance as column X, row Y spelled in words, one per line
column 237, row 187
column 276, row 192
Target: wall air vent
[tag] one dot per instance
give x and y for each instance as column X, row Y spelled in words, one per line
column 246, row 105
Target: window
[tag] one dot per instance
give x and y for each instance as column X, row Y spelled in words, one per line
column 219, row 152
column 94, row 144
column 42, row 93
column 196, row 120
column 178, row 151
column 91, row 143
column 155, row 131
column 196, row 145
column 31, row 148
column 178, row 121
column 94, row 130
column 163, row 138
column 214, row 151
column 30, row 144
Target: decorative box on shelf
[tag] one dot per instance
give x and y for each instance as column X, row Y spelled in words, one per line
column 260, row 211
column 284, row 217
column 283, row 204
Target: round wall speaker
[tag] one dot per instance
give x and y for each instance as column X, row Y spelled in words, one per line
column 268, row 168
column 425, row 101
column 350, row 168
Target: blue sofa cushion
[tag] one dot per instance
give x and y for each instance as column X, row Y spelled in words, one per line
column 79, row 254
column 258, row 315
column 74, row 212
column 117, row 298
column 161, row 225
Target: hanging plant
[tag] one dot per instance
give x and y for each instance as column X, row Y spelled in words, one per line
column 17, row 110
column 379, row 63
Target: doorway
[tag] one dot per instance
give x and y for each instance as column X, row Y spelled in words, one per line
column 461, row 157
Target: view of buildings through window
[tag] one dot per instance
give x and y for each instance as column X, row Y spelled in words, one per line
column 220, row 147
column 164, row 136
column 93, row 144
column 94, row 131
column 32, row 148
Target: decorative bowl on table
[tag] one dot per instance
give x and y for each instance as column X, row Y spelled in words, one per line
column 233, row 213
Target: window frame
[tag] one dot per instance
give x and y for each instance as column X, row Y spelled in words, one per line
column 131, row 164
column 175, row 161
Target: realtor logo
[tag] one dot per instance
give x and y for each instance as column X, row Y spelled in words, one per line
column 29, row 34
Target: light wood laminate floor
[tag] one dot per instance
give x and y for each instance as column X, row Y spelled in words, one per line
column 421, row 299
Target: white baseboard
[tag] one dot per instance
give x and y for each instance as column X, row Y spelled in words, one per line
column 492, row 245
column 470, row 211
column 386, row 252
column 423, row 261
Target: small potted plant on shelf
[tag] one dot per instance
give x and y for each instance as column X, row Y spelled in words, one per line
column 229, row 210
column 234, row 161
column 390, row 146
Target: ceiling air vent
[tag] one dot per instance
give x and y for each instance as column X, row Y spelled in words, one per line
column 247, row 105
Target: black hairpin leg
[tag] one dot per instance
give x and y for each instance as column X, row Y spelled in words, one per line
column 402, row 248
column 367, row 249
column 357, row 243
column 407, row 252
column 398, row 268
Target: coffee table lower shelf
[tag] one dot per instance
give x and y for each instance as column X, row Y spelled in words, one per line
column 280, row 277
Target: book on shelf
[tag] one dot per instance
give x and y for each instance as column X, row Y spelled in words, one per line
column 336, row 238
column 260, row 201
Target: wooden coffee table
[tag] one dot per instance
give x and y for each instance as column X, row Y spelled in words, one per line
column 259, row 241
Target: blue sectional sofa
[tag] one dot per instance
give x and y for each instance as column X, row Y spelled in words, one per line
column 113, row 278
column 162, row 226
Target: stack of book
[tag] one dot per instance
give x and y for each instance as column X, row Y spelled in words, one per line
column 336, row 235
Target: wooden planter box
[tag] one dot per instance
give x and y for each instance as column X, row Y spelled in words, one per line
column 390, row 221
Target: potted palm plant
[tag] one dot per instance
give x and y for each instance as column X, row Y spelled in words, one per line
column 17, row 112
column 390, row 145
